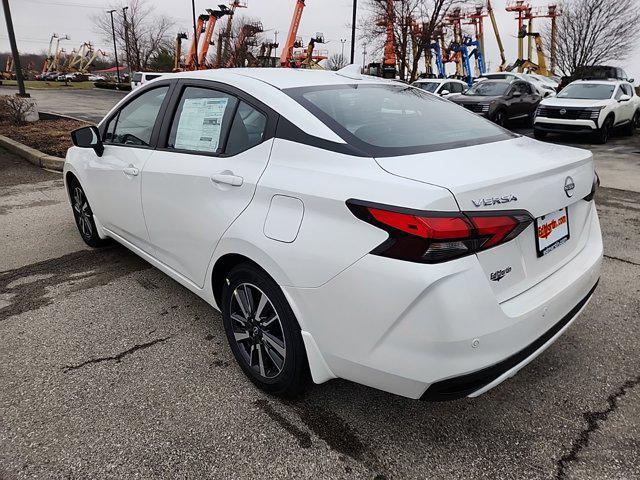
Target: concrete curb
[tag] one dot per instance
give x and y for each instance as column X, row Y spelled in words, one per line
column 32, row 155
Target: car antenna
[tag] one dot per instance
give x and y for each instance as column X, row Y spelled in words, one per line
column 352, row 71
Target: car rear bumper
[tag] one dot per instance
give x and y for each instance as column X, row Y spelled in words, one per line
column 437, row 331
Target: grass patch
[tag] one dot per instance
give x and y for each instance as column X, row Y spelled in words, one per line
column 42, row 85
column 49, row 136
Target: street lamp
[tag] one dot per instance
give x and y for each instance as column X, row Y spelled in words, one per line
column 342, row 41
column 353, row 31
column 126, row 38
column 195, row 35
column 115, row 48
column 14, row 49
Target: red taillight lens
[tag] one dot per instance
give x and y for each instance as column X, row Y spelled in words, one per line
column 432, row 237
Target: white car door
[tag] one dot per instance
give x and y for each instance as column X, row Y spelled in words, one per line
column 203, row 175
column 115, row 176
column 627, row 108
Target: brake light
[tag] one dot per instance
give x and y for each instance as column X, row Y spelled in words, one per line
column 433, row 237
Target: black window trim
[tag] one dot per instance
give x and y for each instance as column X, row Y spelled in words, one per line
column 156, row 126
column 239, row 95
column 381, row 152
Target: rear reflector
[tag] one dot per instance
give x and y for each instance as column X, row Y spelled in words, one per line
column 433, row 237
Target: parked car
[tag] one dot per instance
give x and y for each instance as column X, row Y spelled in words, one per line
column 97, row 78
column 140, row 78
column 596, row 72
column 441, row 86
column 542, row 88
column 338, row 220
column 591, row 107
column 50, row 76
column 501, row 101
column 545, row 87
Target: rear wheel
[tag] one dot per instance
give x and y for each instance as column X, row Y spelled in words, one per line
column 604, row 132
column 84, row 216
column 499, row 118
column 539, row 134
column 263, row 332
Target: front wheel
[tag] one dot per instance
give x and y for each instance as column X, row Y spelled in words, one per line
column 604, row 132
column 263, row 333
column 499, row 118
column 84, row 216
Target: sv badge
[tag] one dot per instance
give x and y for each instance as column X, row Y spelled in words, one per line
column 487, row 202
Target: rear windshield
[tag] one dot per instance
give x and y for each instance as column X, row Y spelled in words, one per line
column 389, row 120
column 427, row 86
column 588, row 91
column 487, row 87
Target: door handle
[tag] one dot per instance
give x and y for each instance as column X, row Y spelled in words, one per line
column 131, row 170
column 227, row 179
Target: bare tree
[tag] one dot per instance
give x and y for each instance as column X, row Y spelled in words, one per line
column 149, row 34
column 592, row 32
column 415, row 22
column 336, row 62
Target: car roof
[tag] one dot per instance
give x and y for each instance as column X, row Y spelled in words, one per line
column 282, row 78
column 602, row 81
column 438, row 80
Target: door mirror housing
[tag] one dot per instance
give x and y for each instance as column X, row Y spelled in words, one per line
column 624, row 98
column 88, row 137
column 444, row 93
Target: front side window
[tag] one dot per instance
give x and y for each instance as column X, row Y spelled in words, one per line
column 201, row 120
column 587, row 91
column 430, row 87
column 456, row 87
column 627, row 90
column 395, row 119
column 133, row 124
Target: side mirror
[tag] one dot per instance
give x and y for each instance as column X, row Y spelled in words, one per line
column 88, row 137
column 631, row 80
column 624, row 98
column 517, row 93
column 444, row 93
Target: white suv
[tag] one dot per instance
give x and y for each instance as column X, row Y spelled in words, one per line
column 589, row 106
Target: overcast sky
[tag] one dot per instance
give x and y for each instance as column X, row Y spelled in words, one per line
column 35, row 21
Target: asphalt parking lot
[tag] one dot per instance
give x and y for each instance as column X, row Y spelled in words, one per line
column 110, row 369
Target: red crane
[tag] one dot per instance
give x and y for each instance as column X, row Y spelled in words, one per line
column 287, row 51
column 190, row 61
column 389, row 61
column 214, row 15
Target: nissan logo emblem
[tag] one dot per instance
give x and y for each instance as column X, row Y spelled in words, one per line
column 569, row 186
column 563, row 111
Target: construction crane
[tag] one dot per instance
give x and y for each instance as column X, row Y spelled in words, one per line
column 245, row 39
column 523, row 11
column 214, row 16
column 265, row 59
column 178, row 51
column 191, row 62
column 476, row 18
column 496, row 31
column 286, row 56
column 310, row 57
column 225, row 37
column 389, row 60
column 52, row 61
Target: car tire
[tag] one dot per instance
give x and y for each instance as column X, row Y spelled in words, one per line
column 83, row 216
column 631, row 128
column 604, row 132
column 263, row 333
column 499, row 118
column 539, row 134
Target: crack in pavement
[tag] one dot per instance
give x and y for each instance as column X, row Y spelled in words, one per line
column 83, row 269
column 594, row 421
column 630, row 262
column 118, row 357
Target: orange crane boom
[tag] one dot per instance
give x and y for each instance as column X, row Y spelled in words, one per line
column 287, row 51
column 190, row 61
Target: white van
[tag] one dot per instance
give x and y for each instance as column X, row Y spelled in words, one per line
column 140, row 78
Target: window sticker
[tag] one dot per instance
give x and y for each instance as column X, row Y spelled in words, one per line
column 200, row 124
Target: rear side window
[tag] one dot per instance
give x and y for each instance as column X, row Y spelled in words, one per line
column 395, row 119
column 201, row 121
column 247, row 130
column 137, row 77
column 151, row 77
column 133, row 124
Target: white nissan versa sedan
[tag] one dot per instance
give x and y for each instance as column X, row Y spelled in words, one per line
column 346, row 226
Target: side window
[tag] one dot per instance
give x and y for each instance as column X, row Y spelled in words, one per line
column 627, row 90
column 445, row 86
column 133, row 124
column 201, row 120
column 457, row 87
column 247, row 130
column 619, row 93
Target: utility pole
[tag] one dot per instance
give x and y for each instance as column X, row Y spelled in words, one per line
column 342, row 41
column 115, row 48
column 195, row 34
column 275, row 40
column 126, row 40
column 14, row 49
column 364, row 56
column 353, row 31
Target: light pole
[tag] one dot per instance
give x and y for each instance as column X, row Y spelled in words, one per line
column 14, row 49
column 115, row 48
column 342, row 41
column 126, row 39
column 353, row 31
column 195, row 35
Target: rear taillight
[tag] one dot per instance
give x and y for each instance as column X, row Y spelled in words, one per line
column 433, row 237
